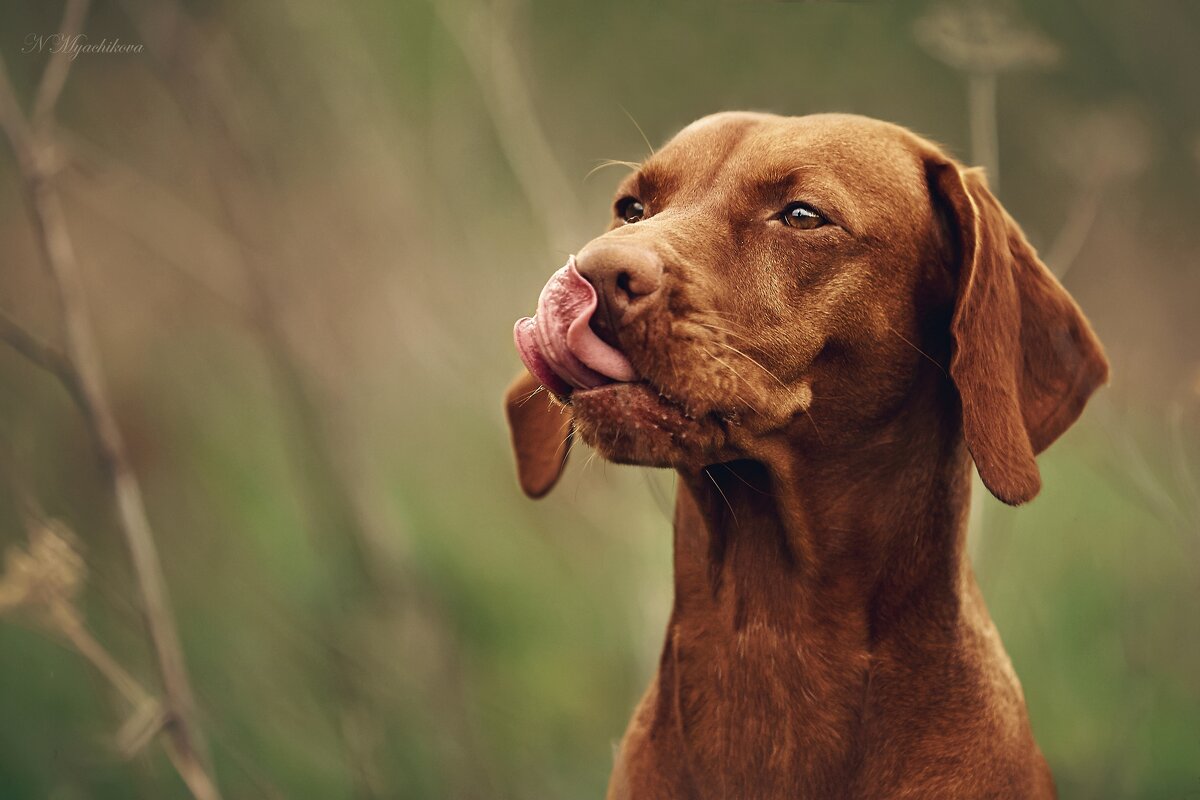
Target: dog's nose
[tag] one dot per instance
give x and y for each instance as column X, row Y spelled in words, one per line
column 626, row 278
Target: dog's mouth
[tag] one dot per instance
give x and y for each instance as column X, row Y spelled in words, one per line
column 639, row 402
column 634, row 423
column 558, row 344
column 623, row 414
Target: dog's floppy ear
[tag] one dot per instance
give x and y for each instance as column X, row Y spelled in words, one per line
column 541, row 434
column 1025, row 359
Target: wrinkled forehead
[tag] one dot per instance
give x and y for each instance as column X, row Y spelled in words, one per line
column 862, row 165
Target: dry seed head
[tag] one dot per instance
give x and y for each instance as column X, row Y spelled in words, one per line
column 45, row 578
column 983, row 37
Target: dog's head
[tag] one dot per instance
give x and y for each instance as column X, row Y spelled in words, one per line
column 764, row 273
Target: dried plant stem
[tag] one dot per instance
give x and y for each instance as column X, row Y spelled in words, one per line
column 195, row 76
column 42, row 354
column 1073, row 235
column 985, row 136
column 55, row 76
column 82, row 640
column 985, row 152
column 81, row 360
column 340, row 521
column 493, row 64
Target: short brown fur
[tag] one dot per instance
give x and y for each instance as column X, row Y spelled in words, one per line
column 825, row 392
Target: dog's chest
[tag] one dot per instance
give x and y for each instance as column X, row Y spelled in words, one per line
column 759, row 708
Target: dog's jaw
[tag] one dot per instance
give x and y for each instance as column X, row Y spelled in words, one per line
column 633, row 423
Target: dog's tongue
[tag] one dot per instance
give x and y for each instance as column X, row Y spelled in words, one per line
column 559, row 346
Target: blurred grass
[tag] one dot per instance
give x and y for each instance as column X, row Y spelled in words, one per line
column 390, row 221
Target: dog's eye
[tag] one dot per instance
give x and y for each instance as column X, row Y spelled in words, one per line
column 630, row 209
column 802, row 215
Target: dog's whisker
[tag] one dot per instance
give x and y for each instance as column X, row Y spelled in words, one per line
column 736, row 375
column 726, row 365
column 753, row 361
column 732, row 513
column 674, row 366
column 612, row 162
column 932, row 360
column 746, row 403
column 569, row 440
column 530, row 396
column 721, row 315
column 816, row 430
column 725, row 331
column 708, row 324
column 734, row 473
column 645, row 138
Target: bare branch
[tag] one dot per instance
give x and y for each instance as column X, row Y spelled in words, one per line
column 42, row 354
column 985, row 133
column 44, row 579
column 101, row 169
column 336, row 491
column 1074, row 234
column 344, row 503
column 12, row 121
column 494, row 65
column 55, row 76
column 187, row 747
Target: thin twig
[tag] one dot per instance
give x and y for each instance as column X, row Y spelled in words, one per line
column 493, row 64
column 100, row 170
column 125, row 684
column 42, row 354
column 44, row 581
column 1074, row 233
column 187, row 746
column 59, row 66
column 985, row 135
column 12, row 121
column 344, row 522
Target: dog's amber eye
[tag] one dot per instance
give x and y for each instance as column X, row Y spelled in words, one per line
column 630, row 209
column 801, row 215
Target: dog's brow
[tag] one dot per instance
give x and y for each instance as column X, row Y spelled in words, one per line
column 649, row 178
column 801, row 182
column 777, row 176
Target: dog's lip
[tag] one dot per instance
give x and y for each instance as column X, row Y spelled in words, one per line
column 642, row 387
column 559, row 345
column 620, row 418
column 638, row 398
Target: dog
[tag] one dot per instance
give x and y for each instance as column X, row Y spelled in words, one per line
column 820, row 323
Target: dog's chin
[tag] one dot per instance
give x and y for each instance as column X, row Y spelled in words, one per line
column 632, row 423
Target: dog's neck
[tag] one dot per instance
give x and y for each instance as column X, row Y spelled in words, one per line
column 797, row 572
column 876, row 526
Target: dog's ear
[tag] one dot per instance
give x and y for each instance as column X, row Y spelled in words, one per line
column 1025, row 359
column 541, row 434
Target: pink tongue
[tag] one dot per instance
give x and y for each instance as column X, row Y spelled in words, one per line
column 559, row 346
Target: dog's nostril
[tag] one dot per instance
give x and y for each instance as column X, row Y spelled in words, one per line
column 629, row 287
column 624, row 287
column 625, row 279
column 601, row 325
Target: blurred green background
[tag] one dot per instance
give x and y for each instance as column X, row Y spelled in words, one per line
column 305, row 230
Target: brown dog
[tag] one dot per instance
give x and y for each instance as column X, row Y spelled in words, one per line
column 819, row 322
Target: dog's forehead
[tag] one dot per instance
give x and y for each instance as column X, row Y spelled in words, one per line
column 859, row 152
